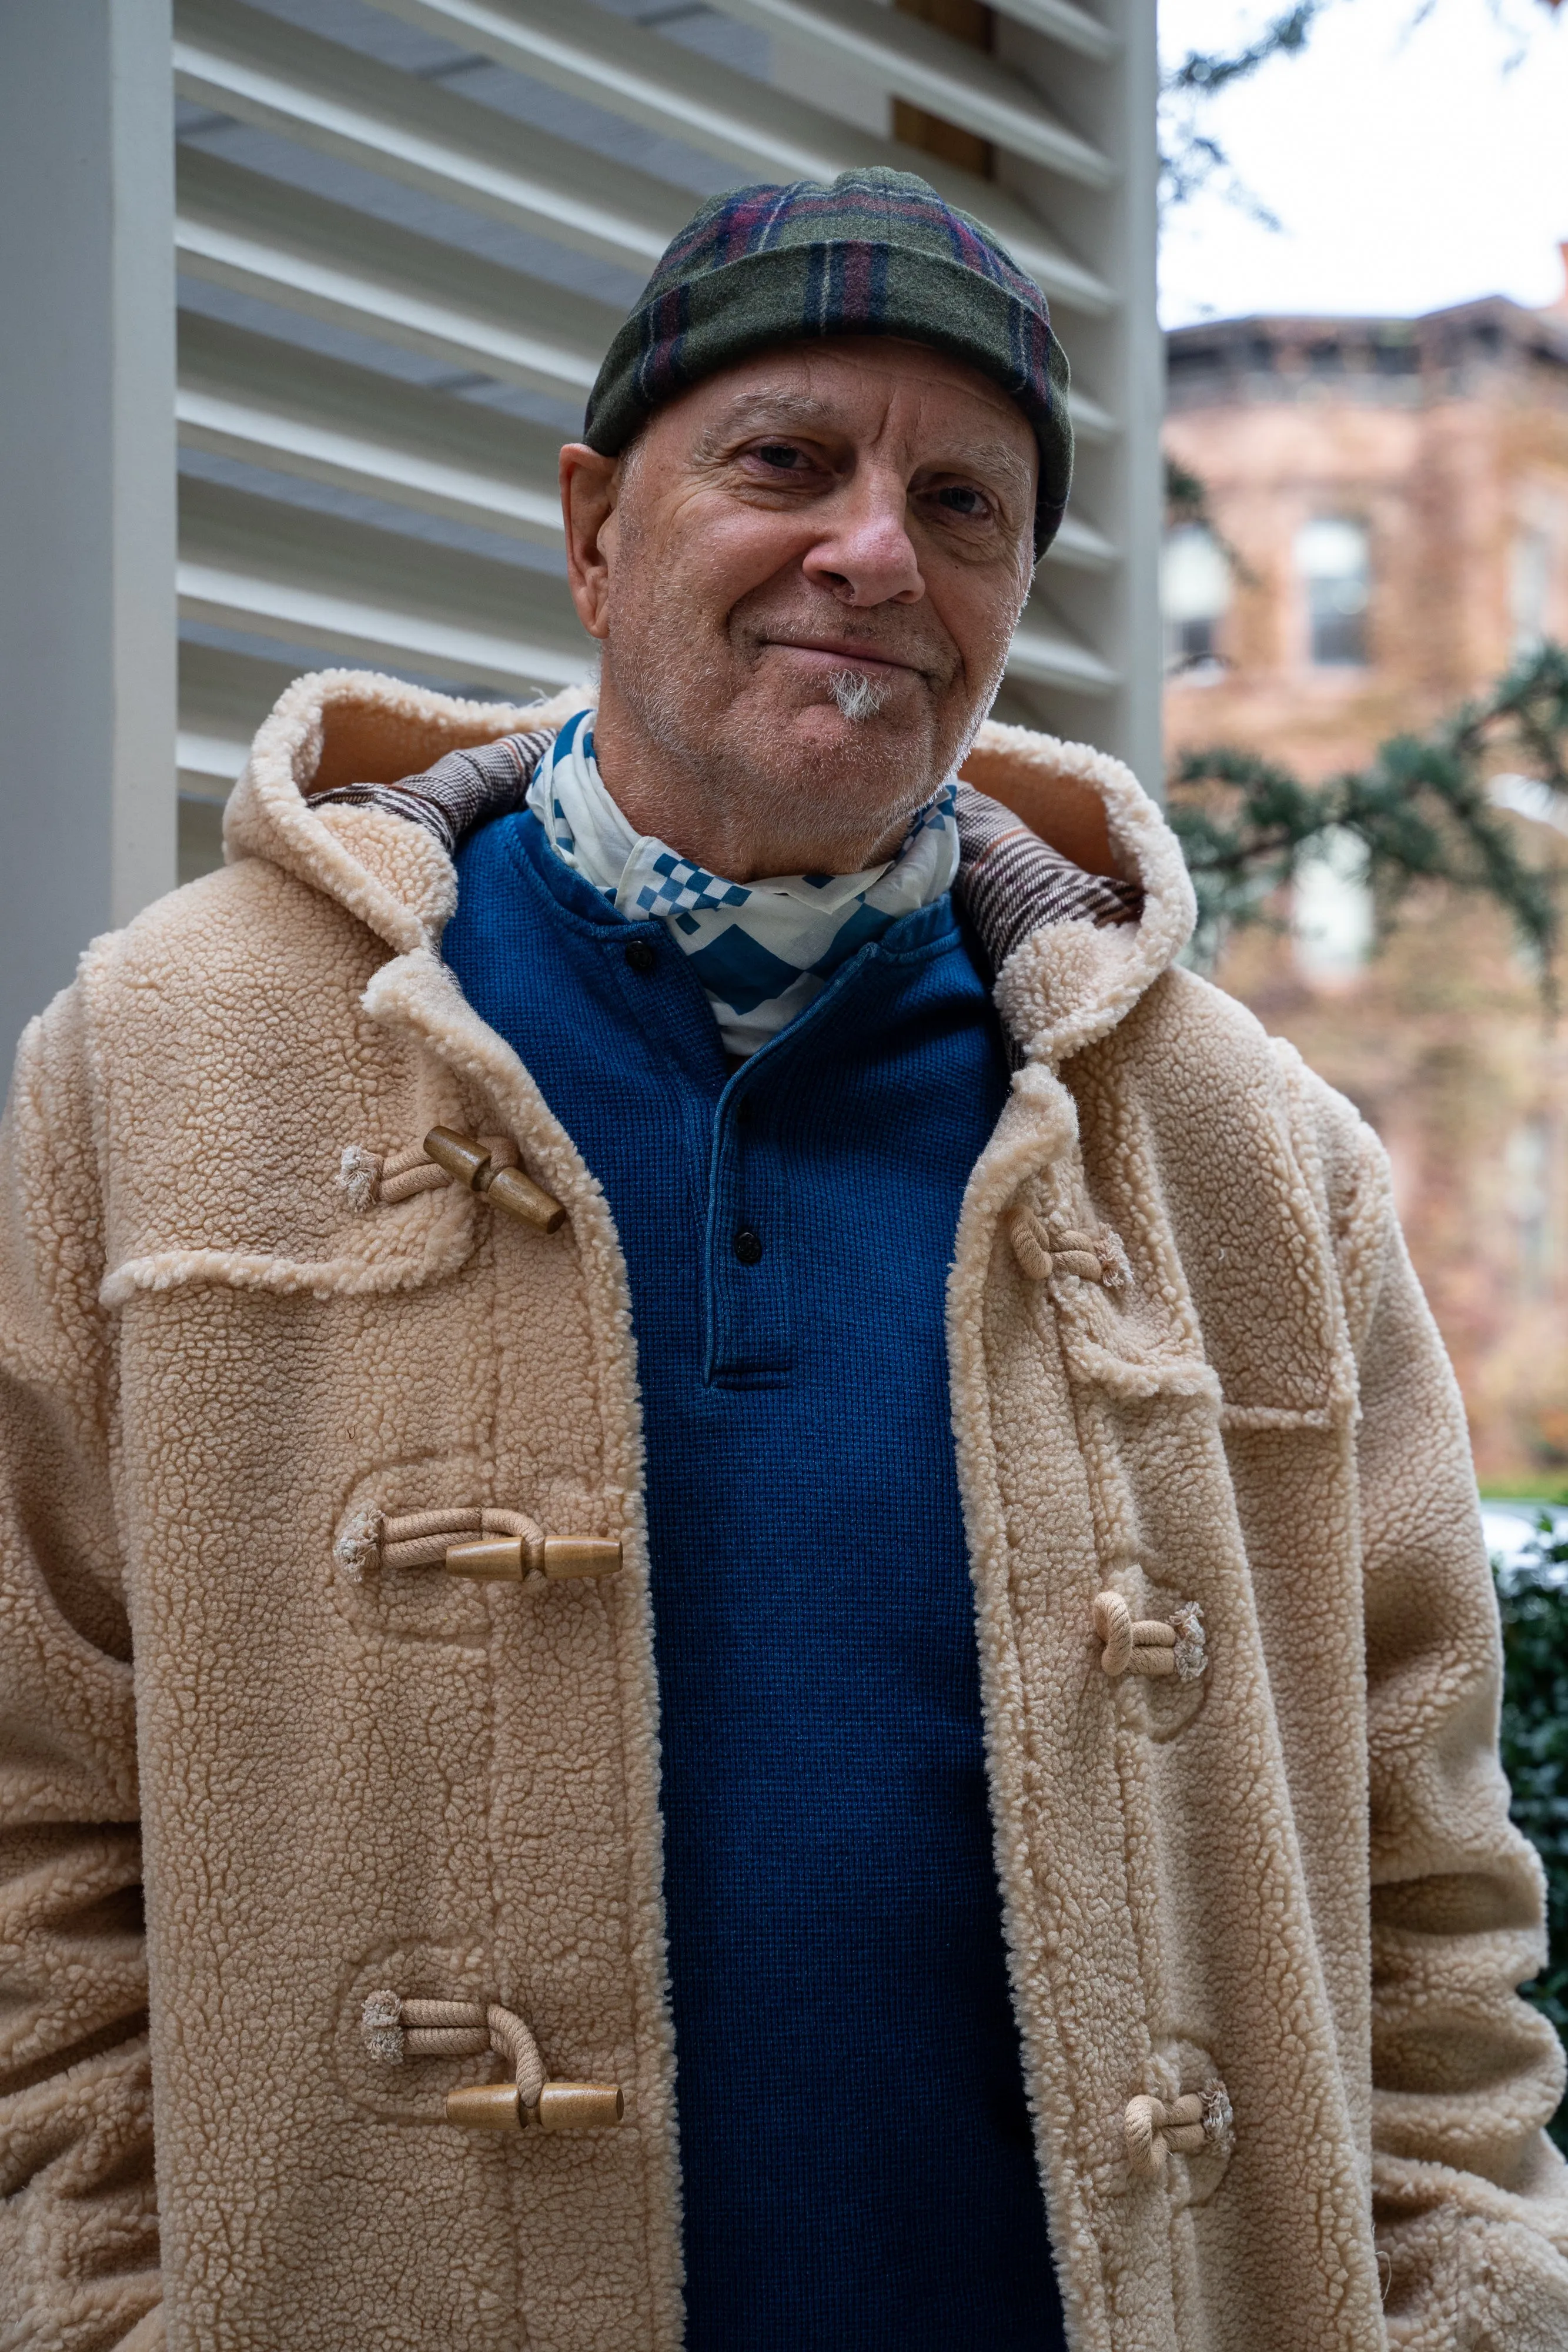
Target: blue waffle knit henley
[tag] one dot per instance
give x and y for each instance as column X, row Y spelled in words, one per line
column 858, row 2171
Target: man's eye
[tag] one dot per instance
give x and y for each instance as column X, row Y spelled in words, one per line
column 961, row 500
column 781, row 454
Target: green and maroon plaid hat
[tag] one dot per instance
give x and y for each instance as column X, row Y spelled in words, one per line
column 875, row 253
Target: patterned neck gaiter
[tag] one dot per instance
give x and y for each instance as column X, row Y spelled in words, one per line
column 762, row 950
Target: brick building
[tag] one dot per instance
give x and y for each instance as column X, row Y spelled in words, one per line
column 1390, row 508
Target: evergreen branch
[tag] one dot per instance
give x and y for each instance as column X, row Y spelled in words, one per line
column 1420, row 809
column 1206, row 72
column 1187, row 501
column 1192, row 160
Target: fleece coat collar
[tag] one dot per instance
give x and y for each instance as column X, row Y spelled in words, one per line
column 1065, row 986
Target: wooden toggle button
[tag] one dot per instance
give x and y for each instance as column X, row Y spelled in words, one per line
column 507, row 1559
column 492, row 1559
column 484, row 2106
column 468, row 1163
column 563, row 2106
column 568, row 1556
column 579, row 2106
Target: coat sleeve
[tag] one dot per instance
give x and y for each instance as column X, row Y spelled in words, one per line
column 1470, row 2198
column 78, row 2253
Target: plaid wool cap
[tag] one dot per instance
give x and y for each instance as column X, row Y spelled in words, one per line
column 875, row 252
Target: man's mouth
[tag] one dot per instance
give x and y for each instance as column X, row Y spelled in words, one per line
column 841, row 652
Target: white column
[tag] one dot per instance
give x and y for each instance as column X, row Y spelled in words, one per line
column 1119, row 360
column 87, row 809
column 1138, row 515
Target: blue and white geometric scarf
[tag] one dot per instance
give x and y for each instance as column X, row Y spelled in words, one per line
column 762, row 950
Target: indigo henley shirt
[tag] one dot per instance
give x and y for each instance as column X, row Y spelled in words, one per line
column 858, row 2171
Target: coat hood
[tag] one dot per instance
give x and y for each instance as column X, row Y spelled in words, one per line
column 1066, row 984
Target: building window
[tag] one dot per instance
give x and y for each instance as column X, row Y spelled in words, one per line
column 1530, row 588
column 1333, row 559
column 1527, row 1171
column 1331, row 913
column 1194, row 596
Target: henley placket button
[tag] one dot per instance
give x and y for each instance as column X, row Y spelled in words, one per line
column 748, row 1245
column 641, row 955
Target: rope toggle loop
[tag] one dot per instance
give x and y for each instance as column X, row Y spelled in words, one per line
column 1042, row 1250
column 1150, row 1645
column 370, row 1180
column 395, row 2029
column 1079, row 1253
column 1154, row 2129
column 468, row 1162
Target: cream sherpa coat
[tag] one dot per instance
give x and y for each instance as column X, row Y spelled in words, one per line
column 1285, row 1886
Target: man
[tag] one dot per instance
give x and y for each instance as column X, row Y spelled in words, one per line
column 543, row 1307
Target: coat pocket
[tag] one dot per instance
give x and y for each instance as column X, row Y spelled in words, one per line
column 363, row 1243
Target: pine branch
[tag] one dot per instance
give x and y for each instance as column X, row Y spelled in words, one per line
column 1206, row 72
column 1191, row 158
column 1420, row 809
column 1186, row 502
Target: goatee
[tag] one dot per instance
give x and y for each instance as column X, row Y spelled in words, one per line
column 858, row 695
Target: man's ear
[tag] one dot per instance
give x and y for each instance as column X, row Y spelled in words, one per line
column 589, row 487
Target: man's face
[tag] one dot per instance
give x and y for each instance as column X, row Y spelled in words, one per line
column 805, row 576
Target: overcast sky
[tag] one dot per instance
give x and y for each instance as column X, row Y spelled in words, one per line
column 1413, row 158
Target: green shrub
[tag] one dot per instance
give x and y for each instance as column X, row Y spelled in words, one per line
column 1535, row 1747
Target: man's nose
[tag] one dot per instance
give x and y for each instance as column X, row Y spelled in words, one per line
column 865, row 555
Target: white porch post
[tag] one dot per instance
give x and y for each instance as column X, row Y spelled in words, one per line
column 87, row 812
